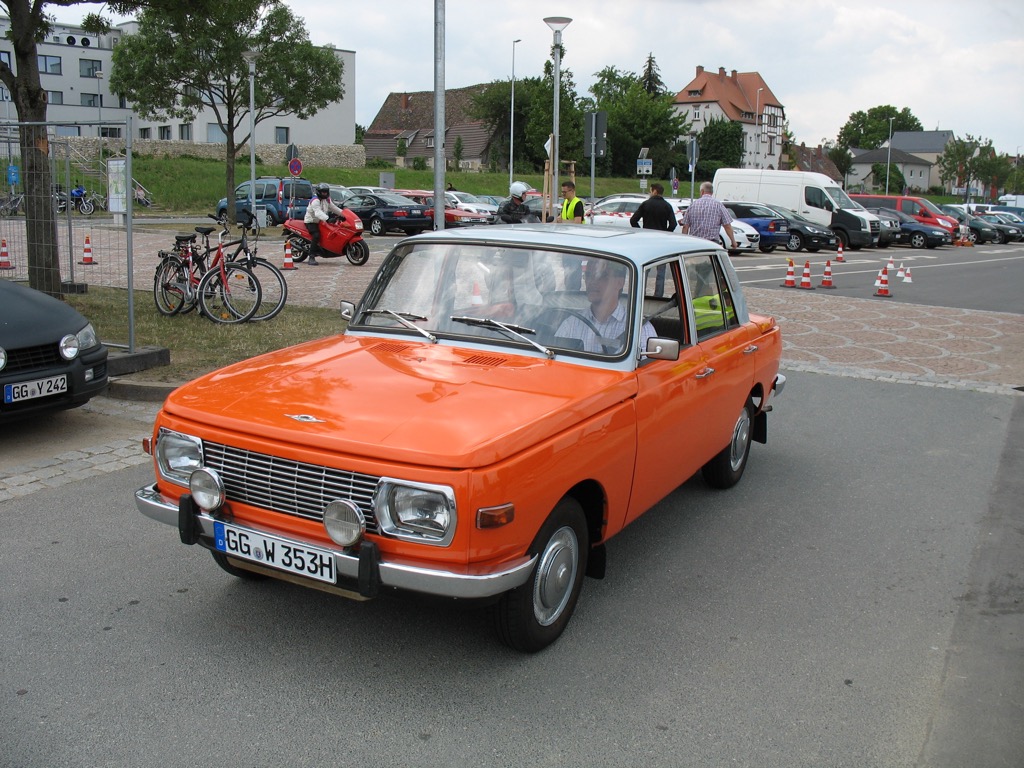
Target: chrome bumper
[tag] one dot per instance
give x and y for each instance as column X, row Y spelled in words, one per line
column 431, row 581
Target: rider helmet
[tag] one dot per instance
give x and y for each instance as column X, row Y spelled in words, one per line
column 518, row 189
column 323, row 191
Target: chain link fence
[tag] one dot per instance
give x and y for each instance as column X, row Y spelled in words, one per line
column 91, row 196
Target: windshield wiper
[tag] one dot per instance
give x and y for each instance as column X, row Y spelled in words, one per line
column 513, row 330
column 405, row 319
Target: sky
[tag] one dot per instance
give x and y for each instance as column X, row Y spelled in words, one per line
column 957, row 66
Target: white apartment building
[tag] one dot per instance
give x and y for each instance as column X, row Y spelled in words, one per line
column 72, row 64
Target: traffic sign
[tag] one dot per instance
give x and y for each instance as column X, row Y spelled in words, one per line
column 644, row 166
column 295, row 167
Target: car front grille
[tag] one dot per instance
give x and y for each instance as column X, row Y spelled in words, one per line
column 32, row 358
column 287, row 486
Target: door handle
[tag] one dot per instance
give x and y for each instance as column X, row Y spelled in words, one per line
column 750, row 349
column 706, row 372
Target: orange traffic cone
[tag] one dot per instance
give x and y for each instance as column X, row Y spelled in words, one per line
column 826, row 278
column 790, row 276
column 288, row 263
column 477, row 299
column 5, row 260
column 87, row 254
column 906, row 277
column 883, row 284
column 839, row 253
column 805, row 278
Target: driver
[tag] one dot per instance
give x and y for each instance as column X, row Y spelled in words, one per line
column 318, row 211
column 602, row 326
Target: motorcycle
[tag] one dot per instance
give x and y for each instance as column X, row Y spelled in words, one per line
column 339, row 236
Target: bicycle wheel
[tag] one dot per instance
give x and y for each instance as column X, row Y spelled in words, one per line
column 229, row 294
column 169, row 286
column 274, row 287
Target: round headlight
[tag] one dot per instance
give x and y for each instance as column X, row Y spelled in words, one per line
column 345, row 522
column 207, row 489
column 3, row 358
column 69, row 347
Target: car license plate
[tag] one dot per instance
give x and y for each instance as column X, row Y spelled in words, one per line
column 275, row 552
column 27, row 390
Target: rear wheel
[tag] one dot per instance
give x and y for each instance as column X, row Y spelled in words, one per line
column 376, row 227
column 169, row 284
column 273, row 286
column 300, row 247
column 726, row 469
column 531, row 617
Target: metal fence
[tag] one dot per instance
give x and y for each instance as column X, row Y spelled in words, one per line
column 91, row 195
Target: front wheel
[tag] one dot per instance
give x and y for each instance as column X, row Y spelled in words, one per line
column 726, row 469
column 766, row 248
column 795, row 242
column 534, row 615
column 918, row 240
column 357, row 252
column 1000, row 237
column 86, row 207
column 229, row 294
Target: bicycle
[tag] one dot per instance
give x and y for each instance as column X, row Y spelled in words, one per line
column 224, row 291
column 9, row 206
column 272, row 280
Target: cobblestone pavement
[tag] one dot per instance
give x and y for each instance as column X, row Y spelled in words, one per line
column 842, row 336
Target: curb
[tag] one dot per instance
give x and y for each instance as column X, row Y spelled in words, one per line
column 144, row 391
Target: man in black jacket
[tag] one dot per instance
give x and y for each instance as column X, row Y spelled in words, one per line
column 656, row 213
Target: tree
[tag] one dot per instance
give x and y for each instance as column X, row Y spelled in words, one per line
column 870, row 130
column 970, row 159
column 177, row 65
column 841, row 158
column 721, row 146
column 457, row 152
column 895, row 178
column 29, row 24
column 650, row 79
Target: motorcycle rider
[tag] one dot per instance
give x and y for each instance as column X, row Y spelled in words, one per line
column 513, row 210
column 318, row 211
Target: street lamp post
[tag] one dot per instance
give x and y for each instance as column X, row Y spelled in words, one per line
column 757, row 129
column 99, row 101
column 250, row 57
column 888, row 159
column 512, row 116
column 556, row 24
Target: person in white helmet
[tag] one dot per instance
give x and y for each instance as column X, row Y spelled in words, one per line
column 513, row 210
column 318, row 211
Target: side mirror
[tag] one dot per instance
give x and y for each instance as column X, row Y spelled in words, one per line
column 348, row 311
column 662, row 349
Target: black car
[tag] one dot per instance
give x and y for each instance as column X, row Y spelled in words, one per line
column 386, row 212
column 1006, row 232
column 50, row 356
column 804, row 233
column 979, row 231
column 912, row 232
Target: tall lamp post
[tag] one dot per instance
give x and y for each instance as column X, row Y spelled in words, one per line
column 250, row 57
column 99, row 101
column 512, row 116
column 557, row 24
column 757, row 129
column 888, row 159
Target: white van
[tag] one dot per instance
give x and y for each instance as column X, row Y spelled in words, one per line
column 813, row 195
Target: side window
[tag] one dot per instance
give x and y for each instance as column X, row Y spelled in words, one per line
column 911, row 207
column 662, row 302
column 815, row 197
column 242, row 191
column 713, row 307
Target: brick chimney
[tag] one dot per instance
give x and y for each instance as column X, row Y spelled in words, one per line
column 405, row 101
column 700, row 70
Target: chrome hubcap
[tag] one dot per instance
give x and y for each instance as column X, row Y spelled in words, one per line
column 556, row 574
column 740, row 439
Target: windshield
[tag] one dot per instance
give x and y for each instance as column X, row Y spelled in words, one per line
column 842, row 200
column 545, row 300
column 932, row 208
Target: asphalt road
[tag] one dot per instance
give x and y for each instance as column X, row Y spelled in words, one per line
column 855, row 601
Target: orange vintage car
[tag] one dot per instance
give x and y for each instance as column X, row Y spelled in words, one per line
column 503, row 401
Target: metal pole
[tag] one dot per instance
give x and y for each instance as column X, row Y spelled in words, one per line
column 888, row 159
column 439, row 124
column 99, row 102
column 251, row 56
column 557, row 24
column 512, row 116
